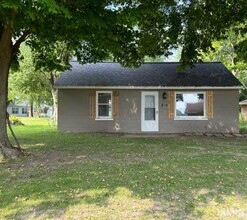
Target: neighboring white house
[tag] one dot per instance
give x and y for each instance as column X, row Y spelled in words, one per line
column 21, row 109
column 18, row 109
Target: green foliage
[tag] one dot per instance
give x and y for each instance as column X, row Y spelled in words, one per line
column 127, row 30
column 228, row 53
column 53, row 57
column 204, row 22
column 96, row 30
column 27, row 83
column 14, row 120
column 225, row 50
column 240, row 70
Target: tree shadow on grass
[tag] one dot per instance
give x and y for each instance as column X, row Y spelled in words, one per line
column 147, row 180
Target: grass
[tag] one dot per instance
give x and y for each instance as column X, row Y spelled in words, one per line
column 82, row 176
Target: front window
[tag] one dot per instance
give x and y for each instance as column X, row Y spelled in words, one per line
column 15, row 110
column 190, row 105
column 24, row 111
column 104, row 105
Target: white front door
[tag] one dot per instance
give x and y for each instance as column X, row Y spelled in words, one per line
column 149, row 112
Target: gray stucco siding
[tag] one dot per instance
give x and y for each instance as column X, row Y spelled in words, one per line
column 225, row 117
column 226, row 112
column 73, row 114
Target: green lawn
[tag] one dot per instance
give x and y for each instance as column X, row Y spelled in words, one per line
column 82, row 176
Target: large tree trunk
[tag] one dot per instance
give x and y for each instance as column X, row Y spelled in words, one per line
column 6, row 54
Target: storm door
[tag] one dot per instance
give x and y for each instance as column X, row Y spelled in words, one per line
column 149, row 113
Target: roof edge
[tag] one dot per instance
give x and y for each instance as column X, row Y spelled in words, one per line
column 149, row 62
column 147, row 87
column 243, row 102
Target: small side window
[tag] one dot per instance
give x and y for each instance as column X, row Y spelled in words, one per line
column 103, row 105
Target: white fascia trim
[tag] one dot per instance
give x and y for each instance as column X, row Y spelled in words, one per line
column 147, row 87
column 104, row 119
column 199, row 118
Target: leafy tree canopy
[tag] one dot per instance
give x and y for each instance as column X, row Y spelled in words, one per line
column 128, row 30
column 230, row 52
column 27, row 83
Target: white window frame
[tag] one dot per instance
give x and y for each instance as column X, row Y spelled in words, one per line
column 97, row 107
column 204, row 117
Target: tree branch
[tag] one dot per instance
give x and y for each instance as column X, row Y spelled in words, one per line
column 52, row 78
column 21, row 39
column 13, row 134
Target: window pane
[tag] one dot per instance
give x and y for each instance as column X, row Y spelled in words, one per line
column 190, row 104
column 104, row 98
column 149, row 108
column 149, row 101
column 104, row 104
column 104, row 110
column 150, row 114
column 24, row 111
column 15, row 110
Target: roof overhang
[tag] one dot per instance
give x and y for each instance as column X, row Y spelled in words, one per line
column 243, row 102
column 148, row 87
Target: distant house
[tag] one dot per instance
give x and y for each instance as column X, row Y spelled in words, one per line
column 46, row 111
column 106, row 97
column 243, row 106
column 18, row 109
column 21, row 109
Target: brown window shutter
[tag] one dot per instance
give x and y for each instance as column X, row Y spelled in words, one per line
column 92, row 104
column 210, row 104
column 171, row 104
column 115, row 104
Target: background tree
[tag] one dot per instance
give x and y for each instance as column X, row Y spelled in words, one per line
column 52, row 60
column 205, row 21
column 27, row 83
column 230, row 52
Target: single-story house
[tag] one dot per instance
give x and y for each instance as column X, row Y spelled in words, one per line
column 18, row 108
column 243, row 106
column 156, row 97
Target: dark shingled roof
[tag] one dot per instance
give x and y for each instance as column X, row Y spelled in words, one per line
column 213, row 74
